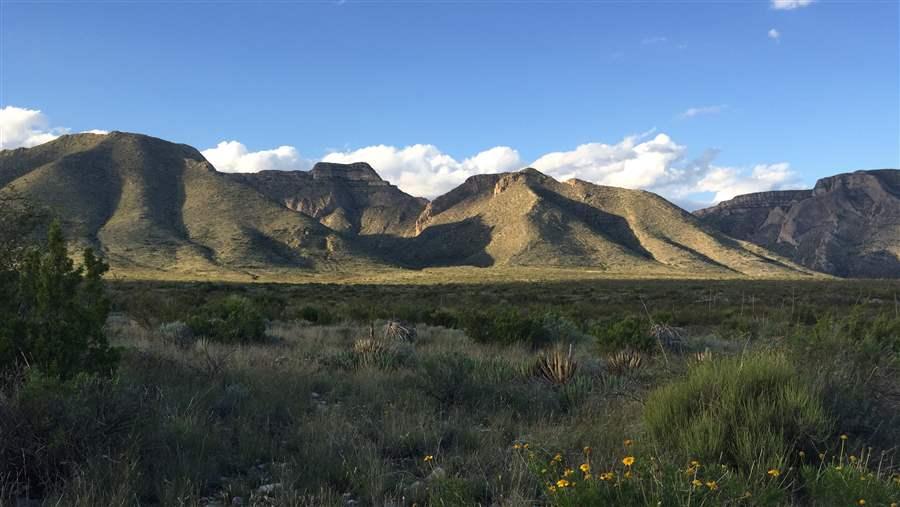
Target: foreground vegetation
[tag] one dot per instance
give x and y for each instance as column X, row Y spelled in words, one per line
column 594, row 393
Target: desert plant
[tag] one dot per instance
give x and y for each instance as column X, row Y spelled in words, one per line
column 616, row 334
column 56, row 313
column 177, row 333
column 668, row 337
column 233, row 319
column 625, row 362
column 399, row 331
column 749, row 412
column 555, row 366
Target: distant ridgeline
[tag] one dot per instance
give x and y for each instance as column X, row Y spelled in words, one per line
column 847, row 225
column 150, row 205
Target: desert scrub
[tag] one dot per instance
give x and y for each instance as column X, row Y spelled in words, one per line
column 845, row 478
column 749, row 412
column 506, row 326
column 615, row 334
column 234, row 319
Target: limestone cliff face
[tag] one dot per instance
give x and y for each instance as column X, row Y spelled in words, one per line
column 847, row 225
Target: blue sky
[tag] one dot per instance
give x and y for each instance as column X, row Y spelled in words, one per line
column 781, row 95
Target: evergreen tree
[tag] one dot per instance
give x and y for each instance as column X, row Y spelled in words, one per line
column 56, row 323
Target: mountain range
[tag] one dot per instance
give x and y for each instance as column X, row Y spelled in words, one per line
column 848, row 225
column 152, row 206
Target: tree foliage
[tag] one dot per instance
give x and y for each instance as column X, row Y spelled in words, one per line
column 54, row 312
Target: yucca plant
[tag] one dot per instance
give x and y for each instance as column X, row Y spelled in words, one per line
column 396, row 330
column 368, row 351
column 624, row 362
column 556, row 366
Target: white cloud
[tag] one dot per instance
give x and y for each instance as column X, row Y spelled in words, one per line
column 233, row 157
column 424, row 170
column 21, row 127
column 95, row 131
column 727, row 182
column 24, row 128
column 787, row 5
column 774, row 34
column 702, row 110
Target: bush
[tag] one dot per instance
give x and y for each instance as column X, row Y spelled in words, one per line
column 50, row 428
column 506, row 326
column 613, row 335
column 317, row 315
column 234, row 319
column 54, row 313
column 749, row 412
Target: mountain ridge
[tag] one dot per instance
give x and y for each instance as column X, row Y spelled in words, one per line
column 150, row 204
column 847, row 225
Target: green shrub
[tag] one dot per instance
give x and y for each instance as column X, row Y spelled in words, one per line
column 506, row 326
column 613, row 335
column 749, row 412
column 234, row 319
column 54, row 313
column 317, row 315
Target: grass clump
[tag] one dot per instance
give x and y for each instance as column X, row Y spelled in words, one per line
column 506, row 326
column 748, row 412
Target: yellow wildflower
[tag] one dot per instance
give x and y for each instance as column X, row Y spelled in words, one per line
column 517, row 446
column 607, row 476
column 557, row 458
column 568, row 472
column 861, row 501
column 712, row 485
column 588, row 477
column 552, row 488
column 695, row 463
column 562, row 483
column 844, row 437
column 774, row 472
column 587, row 451
column 628, row 460
column 802, row 454
column 697, row 483
column 628, row 442
column 428, row 458
column 524, row 446
column 585, row 467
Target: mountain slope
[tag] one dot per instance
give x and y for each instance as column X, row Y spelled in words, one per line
column 848, row 225
column 345, row 197
column 147, row 203
column 529, row 219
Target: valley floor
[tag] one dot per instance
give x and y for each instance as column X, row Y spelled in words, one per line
column 508, row 394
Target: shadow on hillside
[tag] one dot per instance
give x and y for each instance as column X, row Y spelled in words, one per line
column 457, row 244
column 612, row 227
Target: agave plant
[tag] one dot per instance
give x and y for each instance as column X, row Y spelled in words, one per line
column 556, row 366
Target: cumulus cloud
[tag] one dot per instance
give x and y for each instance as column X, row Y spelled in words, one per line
column 774, row 34
column 233, row 157
column 702, row 110
column 787, row 5
column 650, row 161
column 424, row 170
column 24, row 128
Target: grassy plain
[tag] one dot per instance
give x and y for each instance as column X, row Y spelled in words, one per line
column 765, row 377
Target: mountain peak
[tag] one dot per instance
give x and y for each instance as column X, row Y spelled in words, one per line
column 357, row 171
